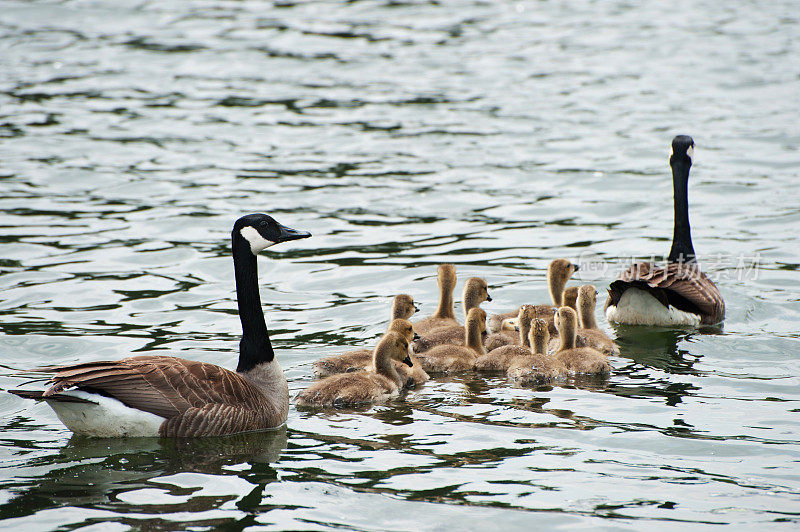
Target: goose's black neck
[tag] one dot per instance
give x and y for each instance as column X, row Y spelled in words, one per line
column 682, row 250
column 255, row 347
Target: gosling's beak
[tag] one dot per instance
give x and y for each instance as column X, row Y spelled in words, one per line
column 488, row 297
column 416, row 336
column 287, row 233
column 576, row 267
column 516, row 328
column 416, row 307
column 407, row 361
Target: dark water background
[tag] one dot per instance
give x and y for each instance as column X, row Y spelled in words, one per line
column 494, row 135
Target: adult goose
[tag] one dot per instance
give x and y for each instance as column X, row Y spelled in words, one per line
column 169, row 396
column 678, row 293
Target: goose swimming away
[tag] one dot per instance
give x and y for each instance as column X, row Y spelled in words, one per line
column 155, row 395
column 678, row 293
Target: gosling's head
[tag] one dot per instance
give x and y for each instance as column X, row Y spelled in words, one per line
column 571, row 297
column 260, row 231
column 476, row 291
column 566, row 322
column 447, row 275
column 403, row 306
column 539, row 335
column 404, row 328
column 560, row 270
column 395, row 346
column 526, row 314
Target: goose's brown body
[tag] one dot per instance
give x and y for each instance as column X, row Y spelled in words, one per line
column 194, row 398
column 680, row 285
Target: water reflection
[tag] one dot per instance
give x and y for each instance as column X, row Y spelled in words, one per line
column 96, row 471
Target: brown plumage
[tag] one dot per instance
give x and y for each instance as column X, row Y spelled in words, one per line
column 536, row 367
column 475, row 292
column 452, row 358
column 679, row 293
column 379, row 382
column 403, row 307
column 362, row 358
column 195, row 398
column 444, row 315
column 589, row 334
column 579, row 360
column 679, row 285
column 571, row 297
column 559, row 272
column 499, row 358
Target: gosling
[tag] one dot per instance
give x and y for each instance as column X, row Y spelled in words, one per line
column 449, row 358
column 558, row 273
column 500, row 358
column 475, row 292
column 360, row 359
column 537, row 367
column 444, row 315
column 376, row 384
column 578, row 360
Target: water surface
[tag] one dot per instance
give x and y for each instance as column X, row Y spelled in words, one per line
column 494, row 135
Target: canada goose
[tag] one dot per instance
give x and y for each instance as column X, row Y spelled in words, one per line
column 536, row 367
column 589, row 333
column 168, row 396
column 679, row 293
column 499, row 359
column 449, row 357
column 558, row 273
column 581, row 360
column 444, row 315
column 379, row 382
column 362, row 358
column 475, row 292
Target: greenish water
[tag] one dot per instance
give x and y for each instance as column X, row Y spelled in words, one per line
column 494, row 135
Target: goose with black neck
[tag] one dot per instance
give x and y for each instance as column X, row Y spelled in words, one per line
column 678, row 293
column 156, row 395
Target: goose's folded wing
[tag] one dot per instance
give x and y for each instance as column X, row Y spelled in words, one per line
column 683, row 286
column 165, row 386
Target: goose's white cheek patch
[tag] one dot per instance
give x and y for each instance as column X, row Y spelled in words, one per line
column 257, row 242
column 690, row 153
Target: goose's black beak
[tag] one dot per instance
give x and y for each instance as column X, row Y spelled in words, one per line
column 416, row 336
column 407, row 361
column 287, row 233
